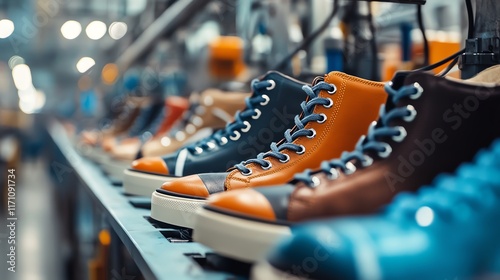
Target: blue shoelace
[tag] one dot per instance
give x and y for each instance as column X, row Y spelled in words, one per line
column 299, row 131
column 371, row 142
column 231, row 131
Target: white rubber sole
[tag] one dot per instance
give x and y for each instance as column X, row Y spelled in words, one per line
column 263, row 270
column 237, row 238
column 179, row 211
column 143, row 184
column 115, row 168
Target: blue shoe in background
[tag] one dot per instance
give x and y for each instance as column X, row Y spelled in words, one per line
column 448, row 231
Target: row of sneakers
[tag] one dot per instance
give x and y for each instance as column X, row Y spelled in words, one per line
column 252, row 184
column 154, row 128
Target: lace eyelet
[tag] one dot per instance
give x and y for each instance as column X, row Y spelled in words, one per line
column 313, row 133
column 413, row 113
column 287, row 159
column 302, row 150
column 334, row 174
column 190, row 129
column 247, row 173
column 208, row 100
column 333, row 91
column 367, row 161
column 198, row 150
column 180, row 136
column 211, row 145
column 197, row 121
column 402, row 134
column 419, row 92
column 234, row 138
column 349, row 168
column 324, row 117
column 272, row 86
column 315, row 181
column 247, row 127
column 257, row 114
column 223, row 141
column 165, row 141
column 329, row 105
column 267, row 99
column 269, row 165
column 387, row 151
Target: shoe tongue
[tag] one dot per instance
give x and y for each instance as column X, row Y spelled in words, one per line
column 398, row 81
column 274, row 75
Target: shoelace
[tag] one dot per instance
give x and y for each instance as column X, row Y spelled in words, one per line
column 240, row 123
column 300, row 131
column 371, row 142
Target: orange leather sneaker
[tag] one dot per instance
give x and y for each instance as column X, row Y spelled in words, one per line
column 336, row 114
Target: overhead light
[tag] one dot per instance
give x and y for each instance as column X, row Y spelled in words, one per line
column 34, row 103
column 6, row 28
column 117, row 30
column 21, row 74
column 71, row 29
column 96, row 30
column 27, row 94
column 15, row 60
column 84, row 64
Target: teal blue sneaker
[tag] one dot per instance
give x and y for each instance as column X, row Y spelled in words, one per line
column 448, row 231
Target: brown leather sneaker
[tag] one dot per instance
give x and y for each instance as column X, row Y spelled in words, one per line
column 214, row 108
column 336, row 114
column 429, row 125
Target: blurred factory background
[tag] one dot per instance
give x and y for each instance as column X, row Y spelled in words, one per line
column 70, row 59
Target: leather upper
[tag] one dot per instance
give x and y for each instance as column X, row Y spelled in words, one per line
column 150, row 165
column 453, row 121
column 248, row 201
column 356, row 105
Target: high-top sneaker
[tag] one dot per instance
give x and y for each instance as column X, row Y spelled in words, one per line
column 173, row 110
column 336, row 114
column 143, row 128
column 212, row 111
column 448, row 231
column 268, row 113
column 429, row 125
column 90, row 141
